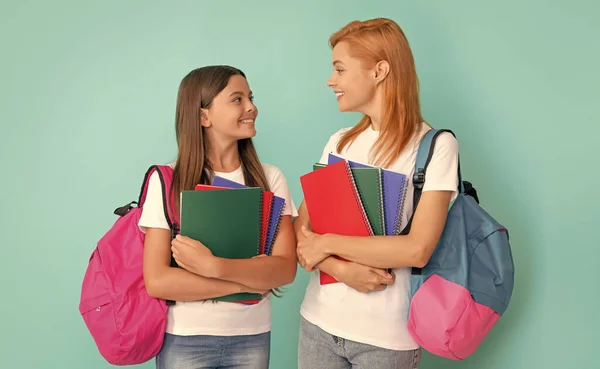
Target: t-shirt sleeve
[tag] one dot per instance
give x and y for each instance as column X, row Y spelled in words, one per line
column 153, row 213
column 280, row 188
column 330, row 147
column 442, row 172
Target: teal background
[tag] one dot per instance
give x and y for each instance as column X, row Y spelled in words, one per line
column 87, row 102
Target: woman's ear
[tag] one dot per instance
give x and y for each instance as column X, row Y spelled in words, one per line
column 204, row 121
column 382, row 69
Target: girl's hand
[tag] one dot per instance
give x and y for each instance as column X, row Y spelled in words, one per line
column 312, row 250
column 194, row 257
column 255, row 290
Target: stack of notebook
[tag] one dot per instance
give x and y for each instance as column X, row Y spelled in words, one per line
column 233, row 221
column 353, row 199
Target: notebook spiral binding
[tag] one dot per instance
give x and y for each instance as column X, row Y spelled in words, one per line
column 260, row 214
column 277, row 227
column 382, row 201
column 359, row 202
column 401, row 199
column 265, row 232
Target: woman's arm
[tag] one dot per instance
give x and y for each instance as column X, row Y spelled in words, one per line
column 165, row 282
column 362, row 278
column 412, row 250
column 329, row 265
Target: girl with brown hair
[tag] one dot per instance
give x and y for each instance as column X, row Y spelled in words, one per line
column 215, row 123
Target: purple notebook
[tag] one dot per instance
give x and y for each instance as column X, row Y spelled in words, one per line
column 394, row 193
column 276, row 211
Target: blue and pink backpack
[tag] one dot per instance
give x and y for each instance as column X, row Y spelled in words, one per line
column 467, row 284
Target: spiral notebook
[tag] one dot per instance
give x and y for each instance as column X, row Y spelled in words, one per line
column 369, row 186
column 274, row 216
column 227, row 222
column 247, row 298
column 334, row 205
column 394, row 194
column 266, row 211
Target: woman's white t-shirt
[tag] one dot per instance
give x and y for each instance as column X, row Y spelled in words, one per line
column 379, row 318
column 206, row 317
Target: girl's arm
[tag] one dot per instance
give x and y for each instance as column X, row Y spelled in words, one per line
column 412, row 250
column 263, row 272
column 165, row 282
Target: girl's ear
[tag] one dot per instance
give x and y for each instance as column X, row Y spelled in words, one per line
column 382, row 69
column 204, row 121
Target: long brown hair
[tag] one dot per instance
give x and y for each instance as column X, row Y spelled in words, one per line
column 372, row 41
column 197, row 91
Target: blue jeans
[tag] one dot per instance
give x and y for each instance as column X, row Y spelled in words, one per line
column 212, row 352
column 320, row 350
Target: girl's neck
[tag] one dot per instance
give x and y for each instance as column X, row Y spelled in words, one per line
column 224, row 158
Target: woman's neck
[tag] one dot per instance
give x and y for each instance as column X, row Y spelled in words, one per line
column 224, row 158
column 374, row 109
column 375, row 123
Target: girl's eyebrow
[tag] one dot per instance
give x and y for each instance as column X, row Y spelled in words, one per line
column 239, row 93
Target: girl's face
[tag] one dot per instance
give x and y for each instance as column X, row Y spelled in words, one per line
column 232, row 113
column 353, row 84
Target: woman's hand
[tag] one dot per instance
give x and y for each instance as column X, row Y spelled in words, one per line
column 364, row 278
column 311, row 250
column 194, row 257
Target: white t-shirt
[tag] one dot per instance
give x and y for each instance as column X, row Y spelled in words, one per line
column 379, row 318
column 220, row 318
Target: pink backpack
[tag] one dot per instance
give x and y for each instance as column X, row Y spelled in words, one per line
column 127, row 325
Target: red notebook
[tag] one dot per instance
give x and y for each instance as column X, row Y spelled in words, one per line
column 266, row 211
column 334, row 205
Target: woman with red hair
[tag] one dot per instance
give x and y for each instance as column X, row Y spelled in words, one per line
column 361, row 321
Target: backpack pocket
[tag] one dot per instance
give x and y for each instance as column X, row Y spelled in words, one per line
column 99, row 316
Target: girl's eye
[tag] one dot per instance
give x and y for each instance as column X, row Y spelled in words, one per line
column 237, row 99
column 252, row 98
column 339, row 70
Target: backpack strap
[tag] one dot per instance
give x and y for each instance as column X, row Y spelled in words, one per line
column 424, row 155
column 165, row 174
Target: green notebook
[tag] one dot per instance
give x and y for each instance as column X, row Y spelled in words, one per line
column 318, row 166
column 227, row 222
column 368, row 185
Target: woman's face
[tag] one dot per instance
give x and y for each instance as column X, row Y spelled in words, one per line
column 353, row 84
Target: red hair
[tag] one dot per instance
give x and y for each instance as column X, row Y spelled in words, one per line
column 372, row 41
